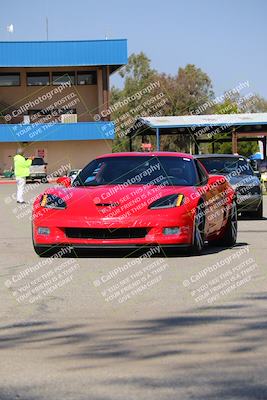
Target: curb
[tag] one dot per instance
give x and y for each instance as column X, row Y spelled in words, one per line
column 7, row 182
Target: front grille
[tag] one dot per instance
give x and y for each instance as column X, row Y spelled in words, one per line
column 99, row 233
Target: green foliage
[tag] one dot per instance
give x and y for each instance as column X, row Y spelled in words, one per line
column 137, row 72
column 256, row 104
column 184, row 93
column 137, row 75
column 230, row 106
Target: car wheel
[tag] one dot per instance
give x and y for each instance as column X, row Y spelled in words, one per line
column 230, row 234
column 259, row 213
column 199, row 231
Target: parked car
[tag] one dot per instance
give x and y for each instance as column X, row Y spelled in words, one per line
column 241, row 176
column 264, row 180
column 260, row 169
column 130, row 200
column 71, row 174
column 38, row 170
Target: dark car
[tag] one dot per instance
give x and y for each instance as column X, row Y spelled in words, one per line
column 241, row 176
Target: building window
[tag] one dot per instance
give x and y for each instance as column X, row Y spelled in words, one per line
column 45, row 116
column 60, row 78
column 86, row 78
column 38, row 79
column 10, row 79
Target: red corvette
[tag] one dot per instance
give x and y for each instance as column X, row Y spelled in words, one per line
column 126, row 200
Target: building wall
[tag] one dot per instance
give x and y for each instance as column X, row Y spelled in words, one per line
column 57, row 154
column 88, row 98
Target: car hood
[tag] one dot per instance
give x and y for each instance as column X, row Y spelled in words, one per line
column 114, row 201
column 243, row 180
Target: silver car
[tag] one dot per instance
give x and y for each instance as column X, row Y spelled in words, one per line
column 38, row 170
column 241, row 176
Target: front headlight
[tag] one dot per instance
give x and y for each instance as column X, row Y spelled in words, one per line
column 170, row 201
column 52, row 201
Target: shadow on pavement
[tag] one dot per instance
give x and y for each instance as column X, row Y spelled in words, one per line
column 208, row 353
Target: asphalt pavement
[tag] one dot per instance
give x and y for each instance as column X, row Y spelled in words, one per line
column 111, row 327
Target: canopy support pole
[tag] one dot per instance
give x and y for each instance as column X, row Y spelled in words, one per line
column 130, row 143
column 158, row 139
column 264, row 147
column 234, row 142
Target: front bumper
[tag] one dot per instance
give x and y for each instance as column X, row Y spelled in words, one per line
column 248, row 202
column 37, row 175
column 75, row 246
column 154, row 226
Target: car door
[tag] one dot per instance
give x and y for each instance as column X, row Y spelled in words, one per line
column 211, row 193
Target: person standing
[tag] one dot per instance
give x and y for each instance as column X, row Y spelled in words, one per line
column 22, row 170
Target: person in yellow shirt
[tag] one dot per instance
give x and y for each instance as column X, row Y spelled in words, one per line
column 22, row 170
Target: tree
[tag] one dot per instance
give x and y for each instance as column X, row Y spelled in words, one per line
column 255, row 104
column 129, row 102
column 231, row 106
column 187, row 91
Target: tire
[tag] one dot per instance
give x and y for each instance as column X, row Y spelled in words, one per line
column 259, row 213
column 230, row 234
column 198, row 241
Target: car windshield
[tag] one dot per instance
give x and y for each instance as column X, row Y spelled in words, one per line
column 138, row 170
column 226, row 165
column 37, row 161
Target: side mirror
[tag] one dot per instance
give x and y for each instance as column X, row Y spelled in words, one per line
column 64, row 181
column 257, row 174
column 203, row 182
column 254, row 165
column 216, row 180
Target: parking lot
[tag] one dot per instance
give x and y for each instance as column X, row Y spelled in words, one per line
column 196, row 331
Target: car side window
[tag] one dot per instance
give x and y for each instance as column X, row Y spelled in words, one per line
column 202, row 174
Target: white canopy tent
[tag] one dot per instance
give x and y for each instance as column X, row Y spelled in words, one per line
column 246, row 126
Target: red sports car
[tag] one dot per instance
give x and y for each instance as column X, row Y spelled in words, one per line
column 126, row 200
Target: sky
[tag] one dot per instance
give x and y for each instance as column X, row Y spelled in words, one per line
column 225, row 38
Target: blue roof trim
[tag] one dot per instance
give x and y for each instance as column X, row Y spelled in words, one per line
column 63, row 53
column 57, row 132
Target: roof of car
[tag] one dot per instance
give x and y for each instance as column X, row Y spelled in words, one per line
column 147, row 154
column 218, row 155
